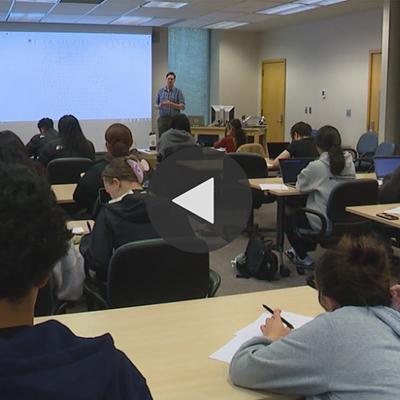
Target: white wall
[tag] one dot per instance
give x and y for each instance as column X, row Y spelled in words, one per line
column 390, row 91
column 234, row 71
column 332, row 55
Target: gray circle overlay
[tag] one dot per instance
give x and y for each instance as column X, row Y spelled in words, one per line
column 183, row 171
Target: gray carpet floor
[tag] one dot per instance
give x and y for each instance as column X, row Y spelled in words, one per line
column 220, row 260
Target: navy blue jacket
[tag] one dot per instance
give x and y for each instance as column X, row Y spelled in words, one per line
column 47, row 361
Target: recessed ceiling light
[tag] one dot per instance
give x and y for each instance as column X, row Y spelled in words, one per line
column 298, row 9
column 130, row 20
column 278, row 9
column 165, row 4
column 37, row 1
column 225, row 25
column 25, row 17
column 329, row 2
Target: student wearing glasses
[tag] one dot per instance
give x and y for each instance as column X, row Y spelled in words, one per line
column 352, row 351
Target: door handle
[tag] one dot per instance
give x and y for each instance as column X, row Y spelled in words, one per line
column 280, row 121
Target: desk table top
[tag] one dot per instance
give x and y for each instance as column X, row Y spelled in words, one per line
column 171, row 343
column 371, row 211
column 64, row 192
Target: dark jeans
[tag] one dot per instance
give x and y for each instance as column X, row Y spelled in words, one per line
column 163, row 123
column 300, row 245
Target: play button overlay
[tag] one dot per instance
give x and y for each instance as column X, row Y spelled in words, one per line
column 199, row 200
column 200, row 195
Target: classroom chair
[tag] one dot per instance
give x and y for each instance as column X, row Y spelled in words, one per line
column 152, row 272
column 47, row 302
column 355, row 192
column 366, row 148
column 67, row 170
column 254, row 148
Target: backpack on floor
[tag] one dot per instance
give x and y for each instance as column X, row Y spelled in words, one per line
column 258, row 261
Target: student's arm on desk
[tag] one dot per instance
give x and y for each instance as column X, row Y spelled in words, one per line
column 301, row 363
column 283, row 156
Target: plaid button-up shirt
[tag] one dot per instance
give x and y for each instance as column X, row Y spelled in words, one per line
column 175, row 95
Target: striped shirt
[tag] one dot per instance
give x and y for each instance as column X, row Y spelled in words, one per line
column 175, row 95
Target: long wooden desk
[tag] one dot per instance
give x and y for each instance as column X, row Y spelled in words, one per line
column 281, row 196
column 171, row 343
column 259, row 133
column 371, row 211
column 64, row 193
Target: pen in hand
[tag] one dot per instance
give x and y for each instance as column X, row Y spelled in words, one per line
column 287, row 323
column 89, row 226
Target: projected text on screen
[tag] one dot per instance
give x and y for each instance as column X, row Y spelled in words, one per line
column 91, row 75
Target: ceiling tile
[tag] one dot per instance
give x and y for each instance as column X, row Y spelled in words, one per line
column 96, row 19
column 159, row 22
column 61, row 19
column 116, row 7
column 26, row 7
column 72, row 9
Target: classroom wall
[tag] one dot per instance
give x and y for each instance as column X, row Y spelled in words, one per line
column 330, row 55
column 390, row 91
column 234, row 71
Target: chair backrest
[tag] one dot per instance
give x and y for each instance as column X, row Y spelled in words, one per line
column 385, row 149
column 367, row 144
column 255, row 148
column 67, row 170
column 153, row 271
column 355, row 192
column 253, row 165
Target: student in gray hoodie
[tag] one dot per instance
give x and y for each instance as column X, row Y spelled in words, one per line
column 317, row 180
column 176, row 138
column 350, row 352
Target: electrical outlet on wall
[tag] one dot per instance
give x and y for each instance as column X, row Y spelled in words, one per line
column 323, row 94
column 348, row 112
column 309, row 110
column 306, row 110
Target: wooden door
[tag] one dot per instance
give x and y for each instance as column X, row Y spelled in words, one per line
column 273, row 98
column 374, row 90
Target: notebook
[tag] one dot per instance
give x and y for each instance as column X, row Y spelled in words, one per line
column 385, row 166
column 291, row 167
column 276, row 148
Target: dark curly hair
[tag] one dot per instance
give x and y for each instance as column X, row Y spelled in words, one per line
column 355, row 273
column 33, row 234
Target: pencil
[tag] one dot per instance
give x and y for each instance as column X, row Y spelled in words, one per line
column 287, row 323
column 89, row 226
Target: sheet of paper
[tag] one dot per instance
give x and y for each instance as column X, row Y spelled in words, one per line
column 78, row 230
column 393, row 211
column 273, row 186
column 226, row 352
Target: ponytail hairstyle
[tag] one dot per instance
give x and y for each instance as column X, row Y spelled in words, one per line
column 127, row 168
column 328, row 139
column 355, row 273
column 237, row 132
column 119, row 140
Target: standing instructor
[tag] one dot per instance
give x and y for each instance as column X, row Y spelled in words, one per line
column 170, row 102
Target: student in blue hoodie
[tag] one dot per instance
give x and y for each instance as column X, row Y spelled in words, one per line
column 47, row 361
column 350, row 352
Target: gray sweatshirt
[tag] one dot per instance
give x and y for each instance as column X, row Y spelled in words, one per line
column 348, row 354
column 174, row 138
column 318, row 181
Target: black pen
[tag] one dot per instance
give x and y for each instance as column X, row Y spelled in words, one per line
column 89, row 226
column 287, row 323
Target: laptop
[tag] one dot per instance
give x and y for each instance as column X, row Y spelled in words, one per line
column 384, row 166
column 291, row 167
column 196, row 120
column 276, row 148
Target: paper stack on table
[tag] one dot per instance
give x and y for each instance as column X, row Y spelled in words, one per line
column 226, row 352
column 273, row 186
column 393, row 211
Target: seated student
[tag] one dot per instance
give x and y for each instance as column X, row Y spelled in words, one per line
column 234, row 139
column 122, row 220
column 389, row 192
column 303, row 144
column 118, row 143
column 47, row 361
column 47, row 134
column 176, row 138
column 352, row 351
column 13, row 150
column 317, row 180
column 71, row 142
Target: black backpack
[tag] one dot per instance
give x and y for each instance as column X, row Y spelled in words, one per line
column 258, row 261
